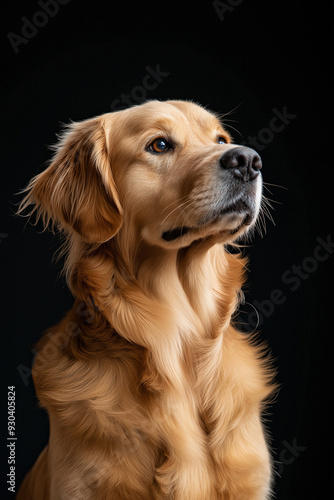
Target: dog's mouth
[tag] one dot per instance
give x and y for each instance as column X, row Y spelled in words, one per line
column 238, row 208
column 174, row 234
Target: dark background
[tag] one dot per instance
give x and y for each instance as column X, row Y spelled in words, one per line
column 255, row 59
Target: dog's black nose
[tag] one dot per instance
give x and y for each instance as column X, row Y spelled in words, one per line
column 244, row 162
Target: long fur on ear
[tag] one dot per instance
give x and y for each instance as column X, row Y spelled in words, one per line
column 77, row 191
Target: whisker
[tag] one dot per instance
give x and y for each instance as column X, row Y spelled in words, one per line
column 191, row 202
column 221, row 116
column 260, row 224
column 257, row 226
column 266, row 212
column 275, row 185
column 227, row 125
column 172, row 203
column 176, row 208
column 267, row 189
column 230, row 120
column 265, row 202
column 268, row 200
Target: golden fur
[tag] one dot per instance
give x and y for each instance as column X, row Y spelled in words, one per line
column 151, row 391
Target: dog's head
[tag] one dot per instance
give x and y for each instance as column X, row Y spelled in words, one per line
column 167, row 170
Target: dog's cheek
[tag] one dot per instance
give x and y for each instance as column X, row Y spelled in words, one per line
column 141, row 192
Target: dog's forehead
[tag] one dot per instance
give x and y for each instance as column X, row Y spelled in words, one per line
column 170, row 116
column 196, row 113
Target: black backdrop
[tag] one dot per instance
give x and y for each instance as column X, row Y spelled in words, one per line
column 266, row 62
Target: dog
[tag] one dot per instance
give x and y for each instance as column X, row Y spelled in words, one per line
column 151, row 391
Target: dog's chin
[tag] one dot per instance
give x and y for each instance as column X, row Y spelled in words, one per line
column 227, row 226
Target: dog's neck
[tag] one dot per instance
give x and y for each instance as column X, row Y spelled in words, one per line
column 184, row 281
column 167, row 301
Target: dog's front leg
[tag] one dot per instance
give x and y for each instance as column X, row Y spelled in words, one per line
column 242, row 462
column 232, row 399
column 187, row 472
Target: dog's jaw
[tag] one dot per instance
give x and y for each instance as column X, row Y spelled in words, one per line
column 230, row 220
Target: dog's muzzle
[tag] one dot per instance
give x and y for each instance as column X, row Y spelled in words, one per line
column 244, row 165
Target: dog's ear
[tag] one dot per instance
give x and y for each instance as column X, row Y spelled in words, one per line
column 77, row 191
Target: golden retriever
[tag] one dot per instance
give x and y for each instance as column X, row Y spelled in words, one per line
column 151, row 391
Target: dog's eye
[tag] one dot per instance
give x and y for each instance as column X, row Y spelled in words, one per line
column 159, row 145
column 221, row 140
